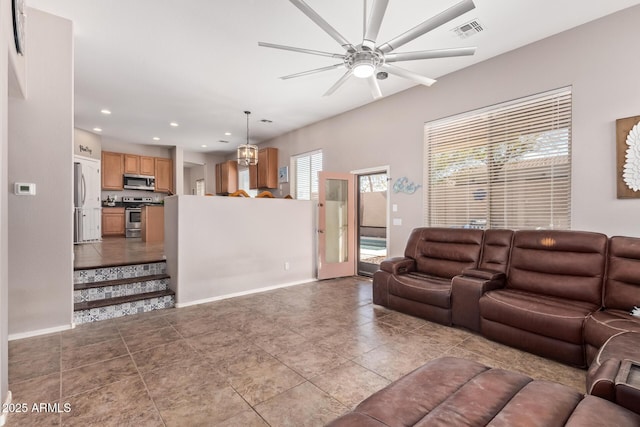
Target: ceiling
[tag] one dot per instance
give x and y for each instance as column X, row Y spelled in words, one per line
column 197, row 62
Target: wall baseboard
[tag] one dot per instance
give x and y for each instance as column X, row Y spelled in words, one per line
column 239, row 294
column 38, row 332
column 4, row 414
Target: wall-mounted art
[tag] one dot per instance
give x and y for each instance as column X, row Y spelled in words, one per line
column 283, row 174
column 628, row 157
column 403, row 185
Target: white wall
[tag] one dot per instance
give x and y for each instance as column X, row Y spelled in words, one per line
column 217, row 247
column 5, row 39
column 87, row 144
column 598, row 59
column 41, row 152
column 118, row 146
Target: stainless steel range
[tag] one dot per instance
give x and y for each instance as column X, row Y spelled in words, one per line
column 133, row 214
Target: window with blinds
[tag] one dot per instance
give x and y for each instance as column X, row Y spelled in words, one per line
column 507, row 166
column 306, row 167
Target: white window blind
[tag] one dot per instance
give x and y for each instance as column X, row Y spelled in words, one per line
column 507, row 166
column 306, row 167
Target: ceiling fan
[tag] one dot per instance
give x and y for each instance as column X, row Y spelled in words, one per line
column 371, row 61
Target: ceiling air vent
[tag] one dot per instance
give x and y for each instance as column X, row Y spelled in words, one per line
column 468, row 29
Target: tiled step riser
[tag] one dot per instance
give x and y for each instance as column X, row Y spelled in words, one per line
column 104, row 292
column 119, row 272
column 119, row 310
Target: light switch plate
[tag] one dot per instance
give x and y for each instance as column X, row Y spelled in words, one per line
column 397, row 221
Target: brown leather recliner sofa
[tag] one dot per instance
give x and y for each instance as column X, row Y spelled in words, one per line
column 566, row 295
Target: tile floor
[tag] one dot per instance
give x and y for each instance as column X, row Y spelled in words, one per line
column 297, row 356
column 116, row 251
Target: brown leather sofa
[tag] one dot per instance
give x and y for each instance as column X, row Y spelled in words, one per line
column 456, row 392
column 553, row 283
column 559, row 294
column 420, row 282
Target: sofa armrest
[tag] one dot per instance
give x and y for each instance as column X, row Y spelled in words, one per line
column 485, row 274
column 398, row 265
column 466, row 291
column 601, row 379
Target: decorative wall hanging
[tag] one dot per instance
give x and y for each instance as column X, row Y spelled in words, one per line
column 283, row 174
column 628, row 157
column 402, row 185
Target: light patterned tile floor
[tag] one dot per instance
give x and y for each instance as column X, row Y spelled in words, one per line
column 295, row 356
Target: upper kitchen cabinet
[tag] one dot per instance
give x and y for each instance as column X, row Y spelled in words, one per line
column 139, row 165
column 164, row 175
column 112, row 170
column 227, row 177
column 265, row 173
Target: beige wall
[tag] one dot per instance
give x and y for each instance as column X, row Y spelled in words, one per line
column 41, row 152
column 118, row 146
column 87, row 144
column 5, row 37
column 218, row 247
column 598, row 59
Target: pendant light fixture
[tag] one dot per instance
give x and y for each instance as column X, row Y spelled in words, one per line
column 247, row 153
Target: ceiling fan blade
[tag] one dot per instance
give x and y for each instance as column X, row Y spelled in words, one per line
column 298, row 49
column 313, row 15
column 401, row 72
column 375, row 20
column 428, row 25
column 339, row 83
column 429, row 54
column 375, row 87
column 316, row 70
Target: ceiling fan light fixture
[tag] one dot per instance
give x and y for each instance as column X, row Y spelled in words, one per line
column 363, row 69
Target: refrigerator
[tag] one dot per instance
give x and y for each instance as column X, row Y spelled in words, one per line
column 87, row 212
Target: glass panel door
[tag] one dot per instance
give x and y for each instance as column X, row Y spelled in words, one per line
column 372, row 221
column 336, row 225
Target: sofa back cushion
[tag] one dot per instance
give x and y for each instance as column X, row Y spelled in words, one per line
column 565, row 264
column 622, row 285
column 444, row 252
column 496, row 247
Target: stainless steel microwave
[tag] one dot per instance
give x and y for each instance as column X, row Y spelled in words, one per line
column 139, row 182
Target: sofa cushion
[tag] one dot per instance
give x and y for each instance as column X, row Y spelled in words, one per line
column 444, row 252
column 422, row 288
column 565, row 264
column 549, row 316
column 602, row 325
column 456, row 392
column 622, row 287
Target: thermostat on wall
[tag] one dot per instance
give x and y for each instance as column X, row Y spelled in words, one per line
column 24, row 189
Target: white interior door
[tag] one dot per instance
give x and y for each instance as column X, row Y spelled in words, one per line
column 336, row 225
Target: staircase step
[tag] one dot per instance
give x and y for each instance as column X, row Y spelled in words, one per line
column 102, row 274
column 88, row 305
column 116, row 282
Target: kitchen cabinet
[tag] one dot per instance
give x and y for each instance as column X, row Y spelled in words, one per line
column 147, row 166
column 152, row 224
column 227, row 177
column 265, row 173
column 164, row 175
column 139, row 165
column 112, row 221
column 112, row 170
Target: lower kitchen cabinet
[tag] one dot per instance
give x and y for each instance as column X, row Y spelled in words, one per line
column 113, row 222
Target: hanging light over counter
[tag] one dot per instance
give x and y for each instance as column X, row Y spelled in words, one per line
column 247, row 153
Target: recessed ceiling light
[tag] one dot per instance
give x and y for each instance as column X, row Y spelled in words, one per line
column 203, row 146
column 227, row 133
column 97, row 129
column 105, row 111
column 174, row 124
column 155, row 138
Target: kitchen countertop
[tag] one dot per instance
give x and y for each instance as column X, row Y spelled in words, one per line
column 124, row 205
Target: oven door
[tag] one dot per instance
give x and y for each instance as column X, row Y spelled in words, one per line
column 133, row 222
